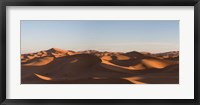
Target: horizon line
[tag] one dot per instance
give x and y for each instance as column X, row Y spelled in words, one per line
column 101, row 51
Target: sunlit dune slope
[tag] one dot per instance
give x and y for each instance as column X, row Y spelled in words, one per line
column 39, row 61
column 154, row 63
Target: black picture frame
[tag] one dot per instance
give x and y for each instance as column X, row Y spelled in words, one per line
column 5, row 3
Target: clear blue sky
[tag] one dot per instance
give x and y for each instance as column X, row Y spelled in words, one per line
column 102, row 35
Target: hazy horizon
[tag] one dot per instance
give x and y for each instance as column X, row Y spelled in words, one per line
column 102, row 35
column 101, row 51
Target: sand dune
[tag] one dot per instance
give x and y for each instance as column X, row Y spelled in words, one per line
column 106, row 58
column 55, row 66
column 121, row 57
column 38, row 61
column 69, row 67
column 169, row 75
column 155, row 63
column 134, row 54
column 139, row 66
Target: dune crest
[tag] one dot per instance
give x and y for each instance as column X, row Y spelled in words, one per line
column 39, row 61
column 43, row 77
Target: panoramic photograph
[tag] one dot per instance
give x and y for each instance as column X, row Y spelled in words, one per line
column 99, row 51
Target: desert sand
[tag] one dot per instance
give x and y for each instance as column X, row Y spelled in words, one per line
column 57, row 66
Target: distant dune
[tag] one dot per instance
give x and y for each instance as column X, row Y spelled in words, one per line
column 57, row 66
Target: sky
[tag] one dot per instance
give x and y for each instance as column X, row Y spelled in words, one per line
column 103, row 35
